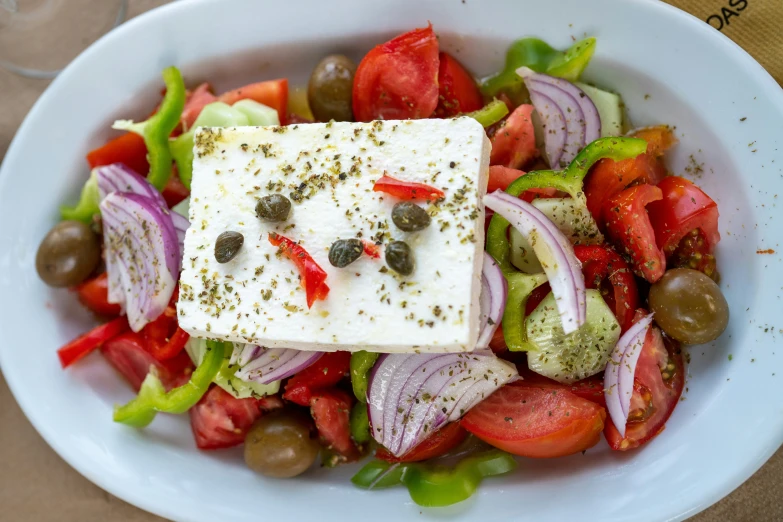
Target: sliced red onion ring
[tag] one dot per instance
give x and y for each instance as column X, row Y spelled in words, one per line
column 118, row 177
column 494, row 290
column 411, row 396
column 569, row 116
column 142, row 255
column 266, row 365
column 554, row 252
column 620, row 370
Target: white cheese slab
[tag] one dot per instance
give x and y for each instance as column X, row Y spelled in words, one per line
column 328, row 171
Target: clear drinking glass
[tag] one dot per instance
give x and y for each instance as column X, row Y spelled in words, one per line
column 40, row 37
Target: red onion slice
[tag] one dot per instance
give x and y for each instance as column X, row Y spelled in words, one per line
column 118, row 177
column 494, row 290
column 570, row 118
column 142, row 255
column 412, row 395
column 554, row 252
column 620, row 370
column 266, row 365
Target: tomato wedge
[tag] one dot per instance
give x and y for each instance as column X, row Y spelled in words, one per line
column 406, row 189
column 628, row 225
column 272, row 93
column 398, row 80
column 128, row 149
column 658, row 384
column 514, row 141
column 457, row 90
column 536, row 420
column 128, row 354
column 92, row 340
column 174, row 191
column 331, row 410
column 220, row 420
column 196, row 100
column 323, row 373
column 94, row 294
column 313, row 276
column 439, row 443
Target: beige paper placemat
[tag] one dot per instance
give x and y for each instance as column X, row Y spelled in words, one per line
column 36, row 485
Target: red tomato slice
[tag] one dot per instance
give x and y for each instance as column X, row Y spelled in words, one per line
column 313, row 276
column 439, row 443
column 536, row 296
column 536, row 420
column 591, row 389
column 196, row 100
column 174, row 191
column 331, row 410
column 94, row 294
column 220, row 420
column 323, row 373
column 498, row 343
column 694, row 251
column 406, row 189
column 457, row 90
column 658, row 384
column 128, row 149
column 89, row 342
column 398, row 80
column 128, row 355
column 684, row 208
column 501, row 177
column 272, row 93
column 514, row 141
column 628, row 225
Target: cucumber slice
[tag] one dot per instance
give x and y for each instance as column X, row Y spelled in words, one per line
column 570, row 216
column 572, row 357
column 610, row 109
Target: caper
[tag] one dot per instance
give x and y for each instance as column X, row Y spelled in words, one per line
column 68, row 254
column 410, row 217
column 227, row 246
column 345, row 251
column 399, row 257
column 281, row 444
column 273, row 208
column 329, row 92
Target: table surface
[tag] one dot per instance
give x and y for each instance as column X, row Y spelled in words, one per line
column 35, row 484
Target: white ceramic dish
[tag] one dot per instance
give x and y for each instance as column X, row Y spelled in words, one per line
column 669, row 67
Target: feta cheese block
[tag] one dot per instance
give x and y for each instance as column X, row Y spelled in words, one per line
column 328, row 172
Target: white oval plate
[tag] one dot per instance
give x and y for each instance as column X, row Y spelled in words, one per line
column 669, row 68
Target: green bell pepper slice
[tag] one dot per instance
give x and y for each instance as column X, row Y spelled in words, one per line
column 542, row 58
column 157, row 129
column 361, row 364
column 436, row 486
column 153, row 397
column 360, row 423
column 88, row 203
column 490, row 114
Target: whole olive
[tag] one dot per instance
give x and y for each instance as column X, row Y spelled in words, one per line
column 689, row 306
column 281, row 444
column 343, row 252
column 330, row 90
column 227, row 246
column 68, row 254
column 410, row 217
column 399, row 257
column 273, row 208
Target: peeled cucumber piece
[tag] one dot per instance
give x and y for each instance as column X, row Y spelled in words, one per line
column 570, row 216
column 576, row 356
column 610, row 109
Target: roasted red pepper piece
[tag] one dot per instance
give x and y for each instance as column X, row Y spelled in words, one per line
column 324, row 373
column 128, row 149
column 94, row 294
column 406, row 189
column 371, row 249
column 92, row 340
column 313, row 277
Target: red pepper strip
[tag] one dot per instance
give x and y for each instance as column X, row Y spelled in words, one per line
column 600, row 263
column 371, row 249
column 324, row 373
column 92, row 340
column 165, row 350
column 406, row 189
column 628, row 225
column 313, row 277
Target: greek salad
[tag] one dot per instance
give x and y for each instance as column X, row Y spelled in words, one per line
column 400, row 262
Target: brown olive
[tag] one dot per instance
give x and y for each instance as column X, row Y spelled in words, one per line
column 399, row 257
column 345, row 251
column 330, row 90
column 68, row 254
column 227, row 246
column 281, row 444
column 410, row 217
column 689, row 306
column 273, row 208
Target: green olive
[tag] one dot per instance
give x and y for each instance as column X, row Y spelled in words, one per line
column 281, row 444
column 227, row 246
column 330, row 90
column 273, row 208
column 345, row 251
column 399, row 257
column 689, row 306
column 68, row 254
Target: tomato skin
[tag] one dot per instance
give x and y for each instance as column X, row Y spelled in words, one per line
column 628, row 225
column 591, row 389
column 683, row 208
column 312, row 275
column 398, row 80
column 439, row 443
column 501, row 177
column 323, row 373
column 406, row 189
column 658, row 357
column 174, row 191
column 220, row 420
column 514, row 140
column 196, row 100
column 128, row 355
column 128, row 149
column 331, row 410
column 272, row 93
column 457, row 90
column 94, row 294
column 529, row 419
